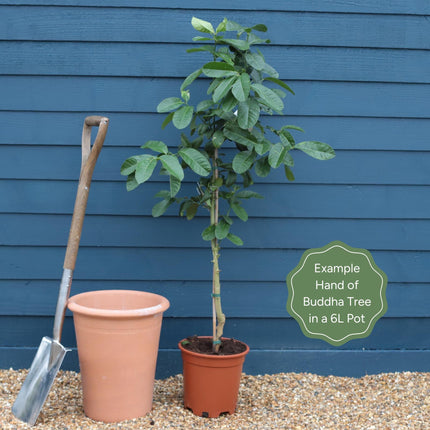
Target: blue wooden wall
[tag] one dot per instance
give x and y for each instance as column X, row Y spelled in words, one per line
column 361, row 73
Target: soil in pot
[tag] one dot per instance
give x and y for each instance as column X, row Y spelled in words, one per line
column 204, row 346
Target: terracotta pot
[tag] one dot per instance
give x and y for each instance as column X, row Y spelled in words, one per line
column 211, row 382
column 117, row 333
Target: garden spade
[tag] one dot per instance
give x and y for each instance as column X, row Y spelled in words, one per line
column 51, row 352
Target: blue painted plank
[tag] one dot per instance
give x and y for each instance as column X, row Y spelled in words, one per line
column 259, row 334
column 171, row 60
column 22, row 357
column 273, row 233
column 143, row 95
column 349, row 167
column 281, row 200
column 338, row 363
column 417, row 7
column 64, row 128
column 240, row 299
column 191, row 264
column 146, row 25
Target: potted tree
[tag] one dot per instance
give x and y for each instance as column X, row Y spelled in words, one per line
column 227, row 144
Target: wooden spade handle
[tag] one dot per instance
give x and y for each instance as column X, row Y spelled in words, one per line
column 89, row 158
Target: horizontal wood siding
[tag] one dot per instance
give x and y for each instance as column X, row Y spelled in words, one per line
column 360, row 71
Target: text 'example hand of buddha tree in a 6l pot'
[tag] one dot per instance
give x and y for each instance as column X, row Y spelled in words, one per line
column 337, row 293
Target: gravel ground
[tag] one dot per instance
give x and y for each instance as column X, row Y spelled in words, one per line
column 281, row 401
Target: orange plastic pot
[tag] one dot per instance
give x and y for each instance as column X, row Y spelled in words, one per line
column 211, row 382
column 117, row 333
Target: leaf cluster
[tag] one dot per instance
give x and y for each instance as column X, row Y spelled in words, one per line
column 242, row 88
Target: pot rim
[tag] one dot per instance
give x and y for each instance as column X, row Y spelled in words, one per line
column 117, row 313
column 215, row 357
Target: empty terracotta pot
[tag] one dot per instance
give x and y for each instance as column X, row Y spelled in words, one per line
column 117, row 333
column 211, row 382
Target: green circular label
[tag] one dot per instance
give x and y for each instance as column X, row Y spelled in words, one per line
column 337, row 293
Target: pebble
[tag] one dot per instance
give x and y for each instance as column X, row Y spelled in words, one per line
column 282, row 401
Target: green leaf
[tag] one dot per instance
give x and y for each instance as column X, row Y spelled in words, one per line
column 167, row 120
column 292, row 127
column 280, row 83
column 182, row 117
column 218, row 139
column 171, row 164
column 253, row 40
column 185, row 94
column 202, row 26
column 228, row 220
column 234, row 26
column 196, row 143
column 191, row 211
column 217, row 183
column 214, row 84
column 285, row 140
column 171, row 103
column 196, row 160
column 269, row 97
column 131, row 182
column 203, row 105
column 217, row 69
column 239, row 211
column 129, row 165
column 247, row 179
column 156, row 145
column 231, row 179
column 248, row 113
column 263, row 147
column 288, row 160
column 260, row 27
column 163, row 194
column 193, row 125
column 175, row 185
column 246, row 194
column 243, row 161
column 226, row 56
column 269, row 70
column 222, row 229
column 241, row 45
column 222, row 26
column 262, row 167
column 161, row 207
column 209, row 233
column 288, row 173
column 184, row 140
column 281, row 94
column 144, row 168
column 228, row 117
column 241, row 87
column 235, row 239
column 223, row 88
column 277, row 154
column 201, row 39
column 238, row 135
column 318, row 150
column 206, row 48
column 229, row 102
column 255, row 60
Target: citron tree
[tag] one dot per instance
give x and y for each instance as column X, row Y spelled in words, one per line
column 242, row 90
